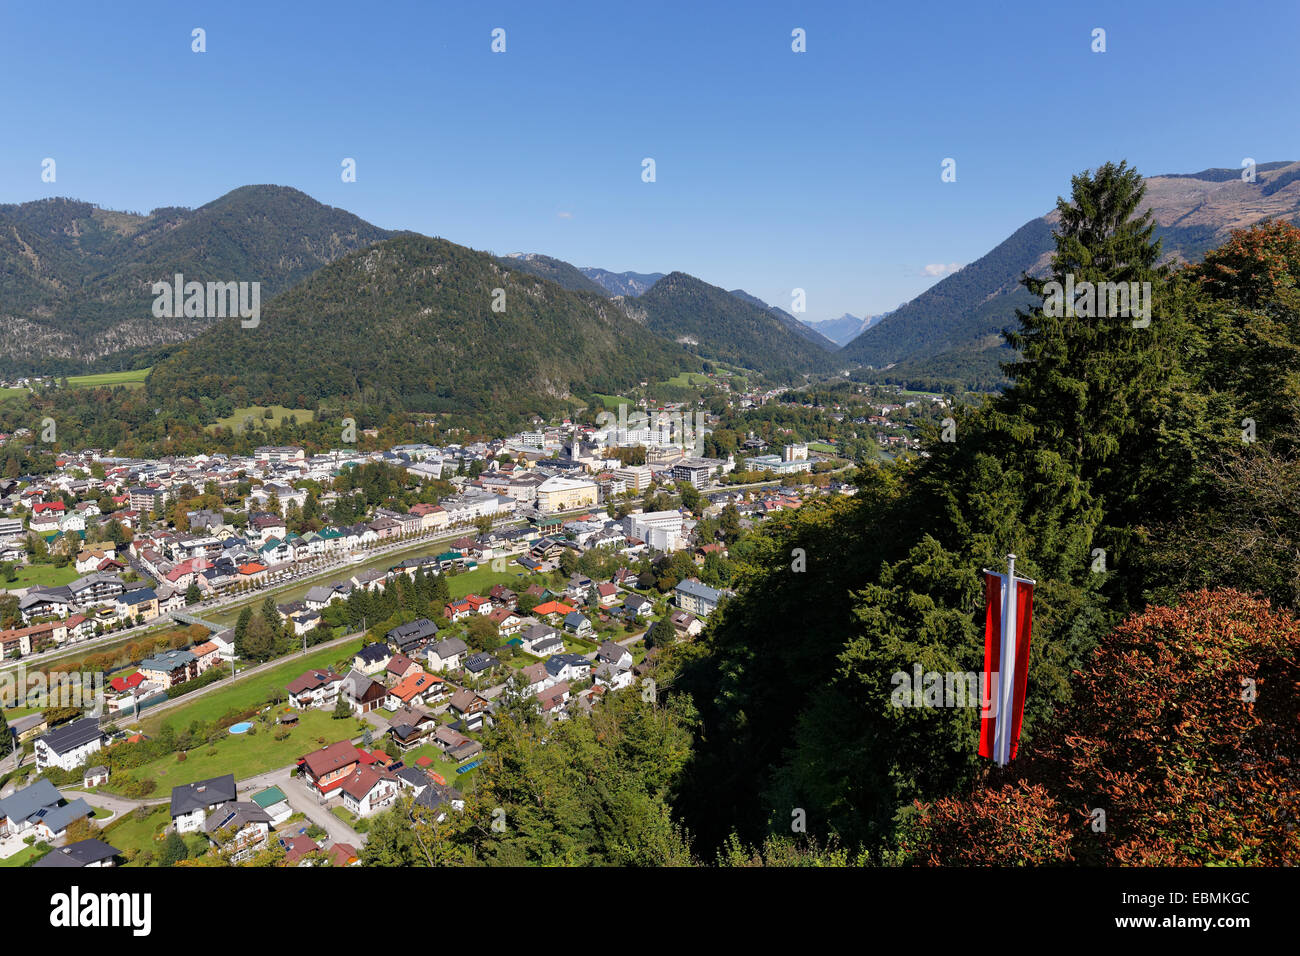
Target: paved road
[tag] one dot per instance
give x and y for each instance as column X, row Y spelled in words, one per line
column 283, row 777
column 303, row 802
column 125, row 716
column 308, row 572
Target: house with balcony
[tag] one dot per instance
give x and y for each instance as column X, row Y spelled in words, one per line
column 316, row 688
column 192, row 802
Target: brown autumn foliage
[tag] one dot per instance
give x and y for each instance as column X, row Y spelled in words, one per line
column 1192, row 763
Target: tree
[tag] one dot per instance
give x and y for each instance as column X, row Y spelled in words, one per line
column 173, row 850
column 341, row 709
column 6, row 736
column 1166, row 735
column 661, row 634
column 481, row 633
column 192, row 594
column 241, row 631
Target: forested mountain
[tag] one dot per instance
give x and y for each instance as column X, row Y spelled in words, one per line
column 557, row 270
column 803, row 329
column 75, row 280
column 409, row 324
column 952, row 331
column 717, row 325
column 622, row 283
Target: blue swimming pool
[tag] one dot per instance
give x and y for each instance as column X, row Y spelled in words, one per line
column 241, row 728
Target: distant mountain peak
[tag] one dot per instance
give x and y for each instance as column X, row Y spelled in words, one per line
column 622, row 283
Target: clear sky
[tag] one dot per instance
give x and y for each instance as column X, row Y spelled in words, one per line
column 774, row 169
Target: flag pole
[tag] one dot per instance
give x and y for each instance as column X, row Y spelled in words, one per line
column 1007, row 667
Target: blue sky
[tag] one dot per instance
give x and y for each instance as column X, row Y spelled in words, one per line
column 774, row 170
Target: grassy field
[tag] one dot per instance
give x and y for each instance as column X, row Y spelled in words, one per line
column 822, row 447
column 246, row 755
column 483, row 579
column 12, row 393
column 43, row 575
column 21, row 857
column 130, row 833
column 235, row 421
column 687, row 380
column 440, row 765
column 132, row 379
column 611, row 402
column 244, row 694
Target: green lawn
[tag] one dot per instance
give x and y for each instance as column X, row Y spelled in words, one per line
column 246, row 755
column 251, row 692
column 235, row 420
column 483, row 579
column 822, row 447
column 42, row 575
column 22, row 856
column 687, row 380
column 129, row 833
column 10, row 393
column 440, row 765
column 132, row 379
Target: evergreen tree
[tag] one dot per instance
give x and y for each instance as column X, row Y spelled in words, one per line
column 241, row 632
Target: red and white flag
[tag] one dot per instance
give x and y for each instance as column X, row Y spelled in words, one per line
column 1007, row 623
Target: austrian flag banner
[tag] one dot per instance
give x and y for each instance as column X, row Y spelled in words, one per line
column 1008, row 621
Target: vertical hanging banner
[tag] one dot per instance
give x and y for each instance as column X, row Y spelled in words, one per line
column 1008, row 620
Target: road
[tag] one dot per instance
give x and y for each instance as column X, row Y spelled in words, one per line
column 283, row 777
column 126, row 716
column 309, row 572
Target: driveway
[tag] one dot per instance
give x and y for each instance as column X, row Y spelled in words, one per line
column 303, row 802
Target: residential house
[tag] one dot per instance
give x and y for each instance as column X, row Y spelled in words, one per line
column 372, row 658
column 469, row 707
column 318, row 688
column 170, row 668
column 409, row 726
column 417, row 688
column 408, row 638
column 480, row 663
column 399, row 668
column 83, row 853
column 577, row 624
column 567, row 667
column 700, row 599
column 69, row 746
column 685, row 624
column 239, row 829
column 611, row 652
column 192, row 802
column 362, row 693
column 323, row 771
column 446, row 654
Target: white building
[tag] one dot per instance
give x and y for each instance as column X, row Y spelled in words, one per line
column 660, row 530
column 69, row 746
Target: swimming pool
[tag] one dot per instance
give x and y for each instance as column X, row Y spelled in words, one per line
column 242, row 727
